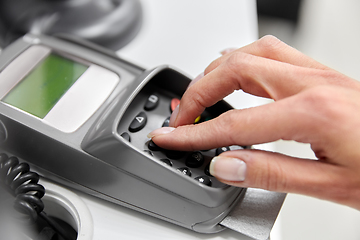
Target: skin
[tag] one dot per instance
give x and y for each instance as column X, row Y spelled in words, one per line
column 312, row 104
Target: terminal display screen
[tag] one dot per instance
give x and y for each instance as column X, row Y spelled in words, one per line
column 43, row 87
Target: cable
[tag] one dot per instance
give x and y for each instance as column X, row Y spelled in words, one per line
column 23, row 185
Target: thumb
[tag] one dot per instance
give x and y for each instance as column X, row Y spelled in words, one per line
column 277, row 172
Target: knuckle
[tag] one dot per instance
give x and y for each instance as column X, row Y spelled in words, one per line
column 316, row 97
column 214, row 64
column 273, row 177
column 322, row 100
column 228, row 119
column 261, row 177
column 239, row 66
column 332, row 77
column 238, row 60
column 280, row 181
column 188, row 141
column 228, row 123
column 270, row 175
column 344, row 191
column 211, row 66
column 270, row 44
column 195, row 100
column 198, row 101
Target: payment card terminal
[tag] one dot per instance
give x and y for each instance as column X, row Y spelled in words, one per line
column 80, row 116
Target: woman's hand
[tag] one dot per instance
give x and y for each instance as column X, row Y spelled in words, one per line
column 313, row 104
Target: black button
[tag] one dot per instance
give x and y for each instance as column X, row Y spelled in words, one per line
column 126, row 136
column 153, row 146
column 174, row 154
column 152, row 102
column 185, row 171
column 166, row 161
column 221, row 150
column 195, row 160
column 138, row 122
column 166, row 122
column 204, row 180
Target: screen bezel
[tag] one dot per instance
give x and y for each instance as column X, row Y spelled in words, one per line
column 39, row 91
column 79, row 102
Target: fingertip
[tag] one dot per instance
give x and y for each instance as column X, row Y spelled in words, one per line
column 160, row 131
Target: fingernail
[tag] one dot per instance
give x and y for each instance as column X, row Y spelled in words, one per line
column 160, row 131
column 174, row 115
column 228, row 50
column 200, row 76
column 226, row 168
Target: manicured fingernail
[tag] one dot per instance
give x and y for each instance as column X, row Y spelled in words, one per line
column 160, row 131
column 200, row 76
column 226, row 168
column 228, row 50
column 174, row 115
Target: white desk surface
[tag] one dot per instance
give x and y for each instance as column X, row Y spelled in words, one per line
column 188, row 35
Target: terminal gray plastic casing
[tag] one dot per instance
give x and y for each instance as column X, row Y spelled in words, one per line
column 97, row 160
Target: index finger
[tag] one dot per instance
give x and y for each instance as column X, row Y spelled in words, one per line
column 255, row 75
column 297, row 118
column 267, row 47
column 262, row 124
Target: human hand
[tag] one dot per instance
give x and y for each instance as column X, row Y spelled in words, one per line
column 313, row 104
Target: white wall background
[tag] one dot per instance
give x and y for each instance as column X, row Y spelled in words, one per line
column 190, row 34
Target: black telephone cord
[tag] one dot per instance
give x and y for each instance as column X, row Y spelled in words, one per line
column 23, row 185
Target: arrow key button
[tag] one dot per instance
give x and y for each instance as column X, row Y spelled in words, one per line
column 138, row 122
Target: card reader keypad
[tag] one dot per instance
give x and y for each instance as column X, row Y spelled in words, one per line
column 151, row 109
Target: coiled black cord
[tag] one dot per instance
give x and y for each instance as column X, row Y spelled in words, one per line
column 23, row 185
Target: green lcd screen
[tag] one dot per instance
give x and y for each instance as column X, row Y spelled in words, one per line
column 42, row 88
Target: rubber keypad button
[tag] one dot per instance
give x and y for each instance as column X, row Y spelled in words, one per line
column 195, row 160
column 138, row 122
column 152, row 102
column 185, row 171
column 174, row 103
column 204, row 180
